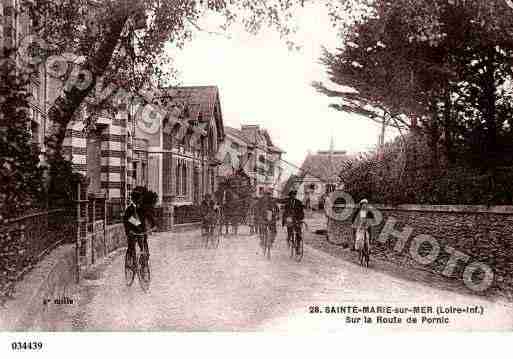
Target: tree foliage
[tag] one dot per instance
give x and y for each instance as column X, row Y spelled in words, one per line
column 21, row 176
column 442, row 68
column 402, row 174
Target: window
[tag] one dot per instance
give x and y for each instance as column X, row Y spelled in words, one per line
column 143, row 173
column 210, row 142
column 195, row 179
column 134, row 171
column 270, row 172
column 235, row 146
column 184, row 179
column 187, row 143
column 177, row 174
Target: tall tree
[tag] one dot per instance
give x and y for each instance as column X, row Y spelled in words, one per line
column 441, row 64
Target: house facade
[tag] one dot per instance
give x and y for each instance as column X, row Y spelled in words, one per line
column 15, row 25
column 118, row 153
column 179, row 168
column 252, row 148
column 319, row 176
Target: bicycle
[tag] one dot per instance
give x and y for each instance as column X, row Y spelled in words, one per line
column 265, row 235
column 364, row 250
column 214, row 235
column 296, row 243
column 141, row 266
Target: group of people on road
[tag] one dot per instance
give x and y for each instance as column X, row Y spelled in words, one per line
column 210, row 213
column 265, row 213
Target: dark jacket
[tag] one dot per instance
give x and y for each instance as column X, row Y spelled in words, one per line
column 207, row 212
column 293, row 208
column 137, row 212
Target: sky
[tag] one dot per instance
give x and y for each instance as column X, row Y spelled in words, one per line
column 262, row 82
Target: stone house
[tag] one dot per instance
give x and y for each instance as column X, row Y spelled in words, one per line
column 319, row 176
column 252, row 148
column 182, row 171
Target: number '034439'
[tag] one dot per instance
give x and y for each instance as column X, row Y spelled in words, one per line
column 27, row 345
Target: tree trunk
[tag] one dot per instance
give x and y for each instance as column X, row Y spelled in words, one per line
column 434, row 137
column 489, row 101
column 62, row 111
column 489, row 110
column 448, row 130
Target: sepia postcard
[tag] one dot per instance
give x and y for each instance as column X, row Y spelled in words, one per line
column 280, row 166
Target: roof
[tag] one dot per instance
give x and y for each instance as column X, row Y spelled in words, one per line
column 252, row 135
column 235, row 133
column 201, row 102
column 324, row 165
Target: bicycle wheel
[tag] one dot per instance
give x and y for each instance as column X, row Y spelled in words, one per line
column 268, row 244
column 208, row 237
column 144, row 272
column 129, row 269
column 299, row 250
column 217, row 236
column 266, row 239
column 366, row 252
column 292, row 245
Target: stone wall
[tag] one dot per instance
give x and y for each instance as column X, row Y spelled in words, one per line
column 484, row 234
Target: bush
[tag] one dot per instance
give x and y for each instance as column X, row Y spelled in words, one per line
column 404, row 174
column 21, row 176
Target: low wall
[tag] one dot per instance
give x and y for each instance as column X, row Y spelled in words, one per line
column 484, row 234
column 34, row 303
column 180, row 228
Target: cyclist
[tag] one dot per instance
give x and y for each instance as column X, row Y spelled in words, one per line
column 251, row 221
column 207, row 213
column 293, row 215
column 267, row 213
column 361, row 223
column 135, row 222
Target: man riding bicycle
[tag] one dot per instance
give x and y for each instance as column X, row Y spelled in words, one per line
column 293, row 215
column 135, row 222
column 208, row 214
column 267, row 212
